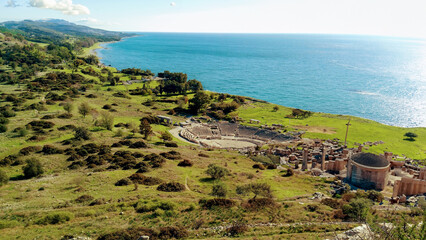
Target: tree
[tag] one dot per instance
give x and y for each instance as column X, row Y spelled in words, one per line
column 81, row 133
column 219, row 190
column 357, row 209
column 261, row 189
column 84, row 109
column 69, row 107
column 194, row 85
column 410, row 136
column 33, row 168
column 145, row 128
column 275, row 108
column 199, row 102
column 107, row 120
column 216, row 172
column 166, row 136
column 4, row 179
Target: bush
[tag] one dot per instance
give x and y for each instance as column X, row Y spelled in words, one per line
column 172, row 233
column 357, row 209
column 156, row 161
column 171, row 144
column 333, row 203
column 81, row 133
column 185, row 163
column 216, row 172
column 259, row 203
column 4, row 179
column 107, row 120
column 219, row 190
column 144, row 180
column 130, row 234
column 33, row 168
column 216, row 202
column 123, row 182
column 259, row 166
column 172, row 155
column 27, row 150
column 84, row 198
column 49, row 150
column 41, row 124
column 171, row 187
column 3, row 128
column 65, row 116
column 139, row 144
column 56, row 218
column 237, row 228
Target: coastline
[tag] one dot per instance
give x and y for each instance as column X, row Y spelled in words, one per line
column 104, row 46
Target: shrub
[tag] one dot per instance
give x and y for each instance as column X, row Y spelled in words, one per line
column 375, row 196
column 129, row 234
column 81, row 133
column 76, row 165
column 172, row 233
column 237, row 228
column 216, row 202
column 41, row 124
column 261, row 189
column 4, row 120
column 125, row 142
column 55, row 218
column 4, row 179
column 216, row 172
column 107, row 120
column 65, row 116
column 333, row 203
column 185, row 163
column 203, row 155
column 139, row 144
column 259, row 203
column 98, row 201
column 3, row 128
column 33, row 168
column 172, row 155
column 357, row 209
column 84, row 198
column 171, row 144
column 259, row 166
column 219, row 190
column 156, row 161
column 171, row 187
column 27, row 150
column 141, row 179
column 49, row 150
column 123, row 182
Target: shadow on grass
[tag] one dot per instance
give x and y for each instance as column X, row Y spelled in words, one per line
column 207, row 180
column 18, row 178
column 409, row 139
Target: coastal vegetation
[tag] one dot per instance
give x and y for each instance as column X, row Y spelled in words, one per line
column 84, row 153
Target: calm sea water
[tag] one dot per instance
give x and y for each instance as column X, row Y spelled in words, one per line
column 378, row 78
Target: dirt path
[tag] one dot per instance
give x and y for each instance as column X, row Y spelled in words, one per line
column 186, row 184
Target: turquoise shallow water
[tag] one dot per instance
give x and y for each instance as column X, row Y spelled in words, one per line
column 378, row 78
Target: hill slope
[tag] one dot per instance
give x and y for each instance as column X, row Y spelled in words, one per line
column 56, row 29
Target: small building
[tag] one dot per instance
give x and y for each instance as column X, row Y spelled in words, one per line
column 368, row 171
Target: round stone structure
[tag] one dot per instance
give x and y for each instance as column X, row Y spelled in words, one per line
column 368, row 171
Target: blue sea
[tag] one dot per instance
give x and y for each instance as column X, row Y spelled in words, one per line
column 379, row 78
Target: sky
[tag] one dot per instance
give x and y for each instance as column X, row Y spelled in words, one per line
column 403, row 18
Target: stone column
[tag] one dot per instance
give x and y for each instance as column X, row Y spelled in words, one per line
column 396, row 186
column 323, row 159
column 305, row 159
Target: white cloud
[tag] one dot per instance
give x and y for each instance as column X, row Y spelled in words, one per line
column 89, row 21
column 172, row 4
column 12, row 3
column 64, row 6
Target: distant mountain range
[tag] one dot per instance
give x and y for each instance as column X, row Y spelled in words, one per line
column 57, row 29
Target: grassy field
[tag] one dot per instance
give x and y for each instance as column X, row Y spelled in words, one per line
column 27, row 206
column 329, row 126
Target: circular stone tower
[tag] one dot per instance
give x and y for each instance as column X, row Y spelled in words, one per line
column 368, row 171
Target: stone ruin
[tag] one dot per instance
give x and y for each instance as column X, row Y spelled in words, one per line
column 231, row 135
